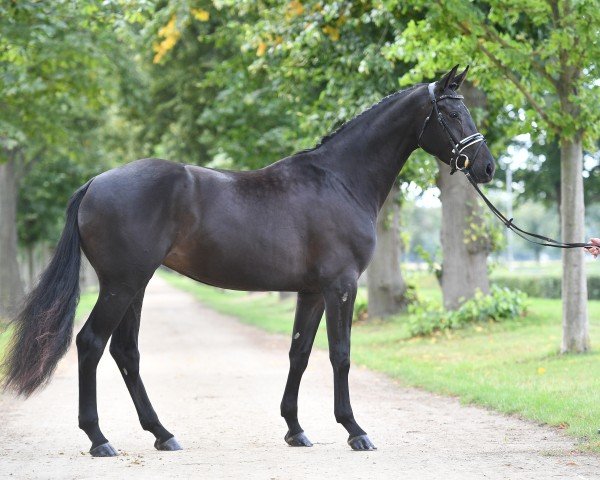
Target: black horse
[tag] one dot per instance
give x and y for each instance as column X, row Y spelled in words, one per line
column 304, row 224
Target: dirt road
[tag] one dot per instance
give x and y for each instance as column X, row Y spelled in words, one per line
column 217, row 385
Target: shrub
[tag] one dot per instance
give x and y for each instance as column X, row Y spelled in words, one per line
column 361, row 304
column 501, row 304
column 547, row 286
column 361, row 309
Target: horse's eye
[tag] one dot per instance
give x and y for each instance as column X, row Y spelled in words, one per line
column 454, row 114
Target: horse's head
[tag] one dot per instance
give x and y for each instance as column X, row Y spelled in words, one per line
column 449, row 132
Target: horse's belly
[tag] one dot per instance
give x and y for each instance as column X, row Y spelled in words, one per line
column 243, row 265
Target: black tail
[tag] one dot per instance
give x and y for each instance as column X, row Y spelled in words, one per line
column 44, row 327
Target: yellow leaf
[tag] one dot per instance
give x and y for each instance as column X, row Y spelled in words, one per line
column 332, row 32
column 295, row 8
column 541, row 370
column 262, row 48
column 170, row 34
column 200, row 14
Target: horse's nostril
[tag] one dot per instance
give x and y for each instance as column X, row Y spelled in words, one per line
column 489, row 169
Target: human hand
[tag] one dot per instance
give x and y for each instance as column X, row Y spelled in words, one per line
column 595, row 250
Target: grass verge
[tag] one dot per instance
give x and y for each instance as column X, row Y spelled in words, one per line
column 513, row 367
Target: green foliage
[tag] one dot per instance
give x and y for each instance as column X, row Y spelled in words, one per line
column 544, row 286
column 43, row 196
column 433, row 265
column 64, row 68
column 501, row 304
column 483, row 233
column 361, row 309
column 243, row 85
column 55, row 66
column 539, row 60
column 361, row 304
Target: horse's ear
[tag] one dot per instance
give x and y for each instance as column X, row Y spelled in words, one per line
column 458, row 79
column 443, row 83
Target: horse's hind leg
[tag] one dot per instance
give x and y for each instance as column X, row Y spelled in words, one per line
column 124, row 349
column 113, row 302
column 309, row 311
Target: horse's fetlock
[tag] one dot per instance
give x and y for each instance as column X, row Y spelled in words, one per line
column 150, row 424
column 289, row 409
column 88, row 424
column 344, row 417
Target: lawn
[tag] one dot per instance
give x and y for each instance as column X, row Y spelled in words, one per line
column 512, row 367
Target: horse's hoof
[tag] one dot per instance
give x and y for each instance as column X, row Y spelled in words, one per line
column 361, row 443
column 298, row 440
column 169, row 445
column 104, row 450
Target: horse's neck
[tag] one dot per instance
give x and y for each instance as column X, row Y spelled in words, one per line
column 368, row 153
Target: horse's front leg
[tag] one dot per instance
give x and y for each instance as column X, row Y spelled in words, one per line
column 339, row 304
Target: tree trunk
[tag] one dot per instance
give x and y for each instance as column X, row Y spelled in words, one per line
column 11, row 288
column 464, row 248
column 574, row 287
column 30, row 252
column 385, row 284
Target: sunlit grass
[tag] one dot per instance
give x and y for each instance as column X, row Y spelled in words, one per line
column 553, row 267
column 513, row 367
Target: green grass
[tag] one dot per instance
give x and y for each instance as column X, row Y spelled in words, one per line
column 553, row 267
column 86, row 303
column 513, row 367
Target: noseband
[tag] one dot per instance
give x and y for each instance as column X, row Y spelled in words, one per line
column 459, row 160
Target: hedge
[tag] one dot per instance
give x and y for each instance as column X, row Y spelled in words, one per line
column 543, row 286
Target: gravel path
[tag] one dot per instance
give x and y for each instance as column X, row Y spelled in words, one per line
column 217, row 385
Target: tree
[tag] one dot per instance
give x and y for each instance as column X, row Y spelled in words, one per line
column 11, row 287
column 539, row 59
column 386, row 286
column 288, row 74
column 55, row 72
column 465, row 240
column 541, row 174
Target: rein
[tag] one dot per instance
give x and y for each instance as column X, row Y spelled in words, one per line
column 460, row 161
column 508, row 223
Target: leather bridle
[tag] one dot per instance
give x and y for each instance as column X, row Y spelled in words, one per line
column 460, row 160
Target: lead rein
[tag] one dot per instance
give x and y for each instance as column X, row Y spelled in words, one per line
column 508, row 223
